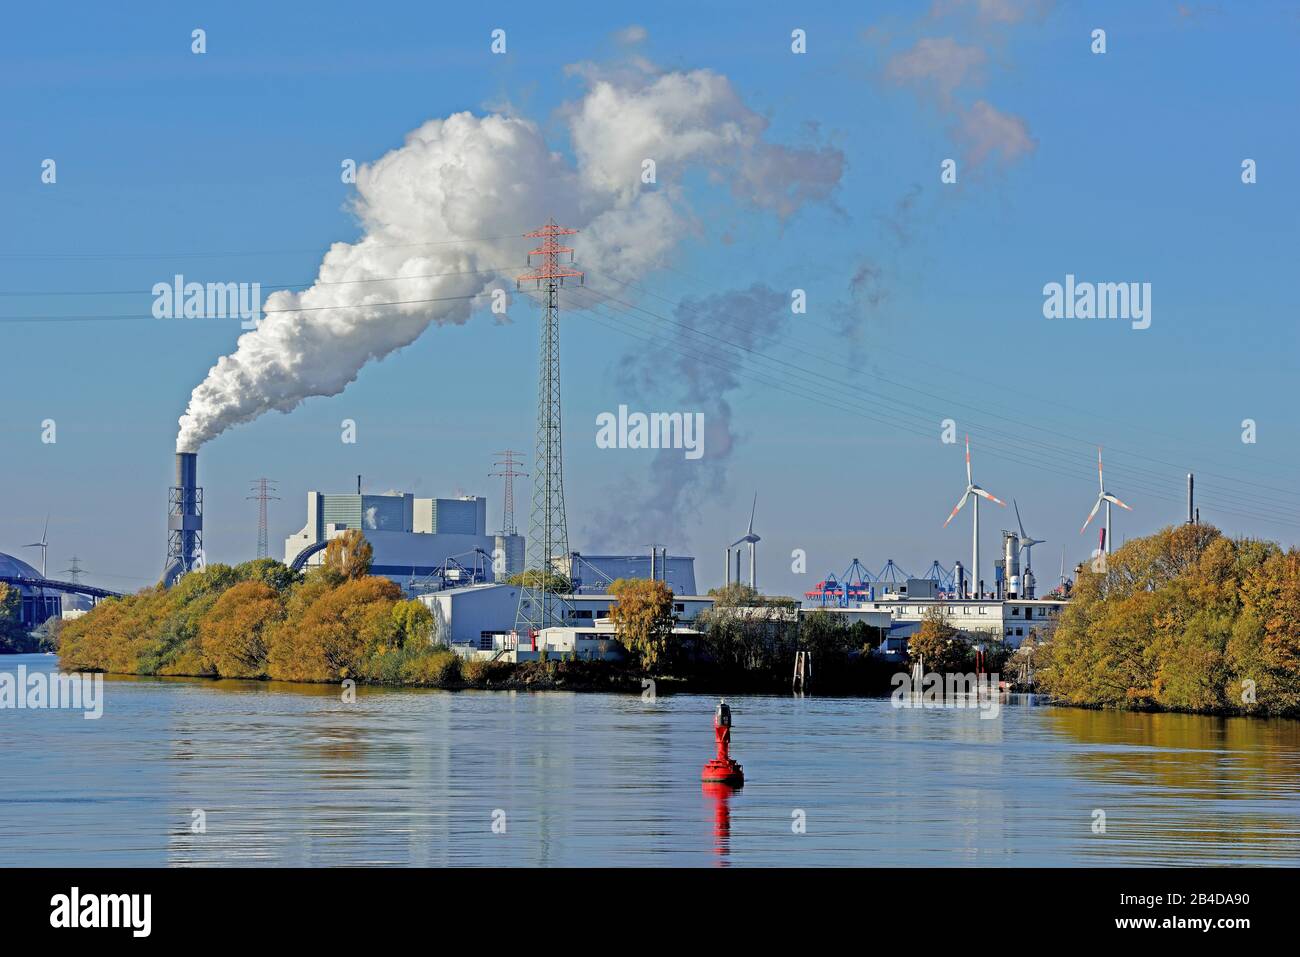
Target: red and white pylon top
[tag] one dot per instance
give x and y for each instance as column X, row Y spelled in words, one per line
column 550, row 267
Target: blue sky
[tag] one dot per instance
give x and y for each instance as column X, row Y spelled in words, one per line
column 226, row 165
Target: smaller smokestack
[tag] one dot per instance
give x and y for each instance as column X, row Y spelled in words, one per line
column 728, row 565
column 184, row 520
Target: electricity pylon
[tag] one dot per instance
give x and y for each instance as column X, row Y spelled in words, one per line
column 540, row 605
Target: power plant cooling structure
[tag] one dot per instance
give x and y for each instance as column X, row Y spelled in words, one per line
column 184, row 520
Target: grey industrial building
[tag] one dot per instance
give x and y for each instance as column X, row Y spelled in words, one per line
column 412, row 538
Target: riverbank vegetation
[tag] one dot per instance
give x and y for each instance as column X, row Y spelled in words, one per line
column 1183, row 620
column 263, row 620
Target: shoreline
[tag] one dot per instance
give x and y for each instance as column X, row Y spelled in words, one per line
column 606, row 678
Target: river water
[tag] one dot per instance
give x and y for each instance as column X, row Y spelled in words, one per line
column 190, row 772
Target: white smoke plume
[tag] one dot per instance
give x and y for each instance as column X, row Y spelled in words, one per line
column 448, row 208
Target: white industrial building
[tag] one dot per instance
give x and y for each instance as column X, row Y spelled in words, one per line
column 425, row 542
column 478, row 615
column 1010, row 621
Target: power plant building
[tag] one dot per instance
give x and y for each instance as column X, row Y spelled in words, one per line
column 594, row 573
column 411, row 538
column 38, row 604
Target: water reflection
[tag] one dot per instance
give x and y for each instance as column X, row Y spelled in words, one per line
column 292, row 775
column 720, row 795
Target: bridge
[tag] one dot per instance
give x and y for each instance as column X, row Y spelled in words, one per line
column 49, row 584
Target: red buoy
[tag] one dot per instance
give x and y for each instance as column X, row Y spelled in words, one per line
column 723, row 770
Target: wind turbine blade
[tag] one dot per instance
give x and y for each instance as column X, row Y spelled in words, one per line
column 1021, row 524
column 752, row 510
column 46, row 530
column 1091, row 515
column 1111, row 498
column 969, row 480
column 957, row 508
column 1101, row 486
column 988, row 495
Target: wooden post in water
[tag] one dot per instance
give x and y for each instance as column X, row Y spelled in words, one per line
column 802, row 670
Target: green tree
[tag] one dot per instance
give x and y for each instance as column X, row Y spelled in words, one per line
column 13, row 636
column 414, row 623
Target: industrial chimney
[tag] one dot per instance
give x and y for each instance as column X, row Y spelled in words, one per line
column 184, row 520
column 959, row 579
column 1191, row 511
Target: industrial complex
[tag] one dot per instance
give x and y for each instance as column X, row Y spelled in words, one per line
column 493, row 592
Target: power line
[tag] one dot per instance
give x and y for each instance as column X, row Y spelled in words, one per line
column 1265, row 502
column 265, row 312
column 964, row 374
column 59, row 257
column 924, row 427
column 270, row 286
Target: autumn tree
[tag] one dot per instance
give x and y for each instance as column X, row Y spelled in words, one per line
column 939, row 645
column 350, row 554
column 337, row 634
column 643, row 618
column 233, row 632
column 1186, row 619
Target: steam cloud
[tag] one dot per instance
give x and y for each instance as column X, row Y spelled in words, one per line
column 448, row 206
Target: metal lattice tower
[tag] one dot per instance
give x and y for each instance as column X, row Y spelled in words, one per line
column 548, row 532
column 74, row 571
column 508, row 472
column 263, row 491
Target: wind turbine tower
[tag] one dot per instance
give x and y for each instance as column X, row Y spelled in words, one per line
column 43, row 544
column 1026, row 543
column 752, row 540
column 1103, row 496
column 973, row 493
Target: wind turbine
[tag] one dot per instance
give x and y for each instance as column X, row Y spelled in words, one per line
column 43, row 545
column 971, row 487
column 752, row 540
column 1103, row 496
column 1026, row 543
